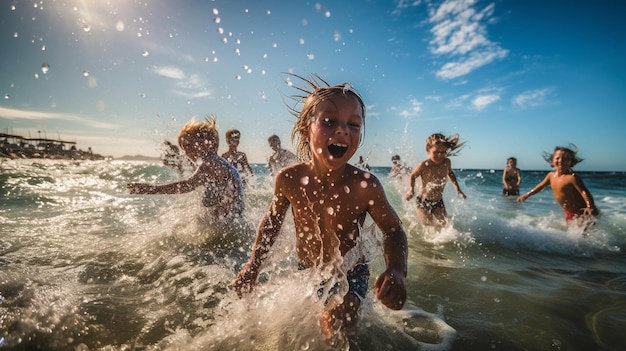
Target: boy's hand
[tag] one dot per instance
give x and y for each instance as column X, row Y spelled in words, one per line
column 390, row 290
column 245, row 281
column 409, row 195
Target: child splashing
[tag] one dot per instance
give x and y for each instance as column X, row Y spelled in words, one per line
column 329, row 201
column 223, row 196
column 568, row 188
column 434, row 171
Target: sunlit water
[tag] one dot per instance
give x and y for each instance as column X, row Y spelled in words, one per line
column 86, row 266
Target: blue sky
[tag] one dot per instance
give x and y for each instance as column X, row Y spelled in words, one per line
column 513, row 78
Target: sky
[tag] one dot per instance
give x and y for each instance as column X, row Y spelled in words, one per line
column 512, row 78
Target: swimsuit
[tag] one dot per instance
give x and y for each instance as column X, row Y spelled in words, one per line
column 510, row 192
column 570, row 216
column 358, row 278
column 429, row 205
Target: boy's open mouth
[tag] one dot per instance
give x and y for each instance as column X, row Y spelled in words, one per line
column 336, row 150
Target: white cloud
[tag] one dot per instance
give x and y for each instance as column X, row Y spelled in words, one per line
column 416, row 108
column 9, row 113
column 481, row 102
column 532, row 98
column 169, row 72
column 459, row 33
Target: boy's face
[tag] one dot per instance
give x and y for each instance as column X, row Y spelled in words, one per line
column 437, row 153
column 336, row 130
column 562, row 160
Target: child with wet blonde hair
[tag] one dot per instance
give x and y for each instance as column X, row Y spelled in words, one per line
column 329, row 201
column 223, row 194
column 568, row 188
column 434, row 172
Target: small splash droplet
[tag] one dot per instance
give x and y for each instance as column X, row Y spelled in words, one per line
column 45, row 68
column 85, row 73
column 346, row 189
column 217, row 20
column 15, row 35
column 310, row 56
column 238, row 77
column 363, row 184
column 43, row 48
column 6, row 96
column 304, row 180
column 145, row 53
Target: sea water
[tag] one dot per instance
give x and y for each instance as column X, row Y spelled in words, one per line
column 84, row 265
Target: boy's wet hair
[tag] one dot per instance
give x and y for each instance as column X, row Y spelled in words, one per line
column 232, row 133
column 200, row 134
column 317, row 91
column 452, row 143
column 571, row 150
column 512, row 159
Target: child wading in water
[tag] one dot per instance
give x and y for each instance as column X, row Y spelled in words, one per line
column 434, row 172
column 329, row 201
column 511, row 178
column 567, row 187
column 224, row 193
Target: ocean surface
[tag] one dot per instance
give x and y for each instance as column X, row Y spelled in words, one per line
column 86, row 266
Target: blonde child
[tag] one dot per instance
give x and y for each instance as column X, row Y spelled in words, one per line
column 235, row 157
column 223, row 195
column 434, row 172
column 329, row 200
column 511, row 178
column 567, row 187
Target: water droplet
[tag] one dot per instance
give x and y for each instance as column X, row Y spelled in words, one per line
column 85, row 73
column 268, row 12
column 483, row 278
column 275, row 45
column 86, row 27
column 238, row 77
column 15, row 35
column 6, row 96
column 12, row 7
column 216, row 12
column 327, row 14
column 363, row 184
column 43, row 48
column 36, row 76
column 217, row 20
column 330, row 211
column 119, row 26
column 371, row 202
column 310, row 56
column 304, row 180
column 45, row 68
column 220, row 30
column 319, row 150
column 145, row 53
column 142, row 95
column 215, row 59
column 301, row 41
column 225, row 40
column 346, row 189
column 237, row 51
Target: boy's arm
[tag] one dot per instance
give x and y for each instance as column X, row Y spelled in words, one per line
column 454, row 182
column 269, row 228
column 414, row 175
column 183, row 186
column 389, row 287
column 586, row 195
column 536, row 189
